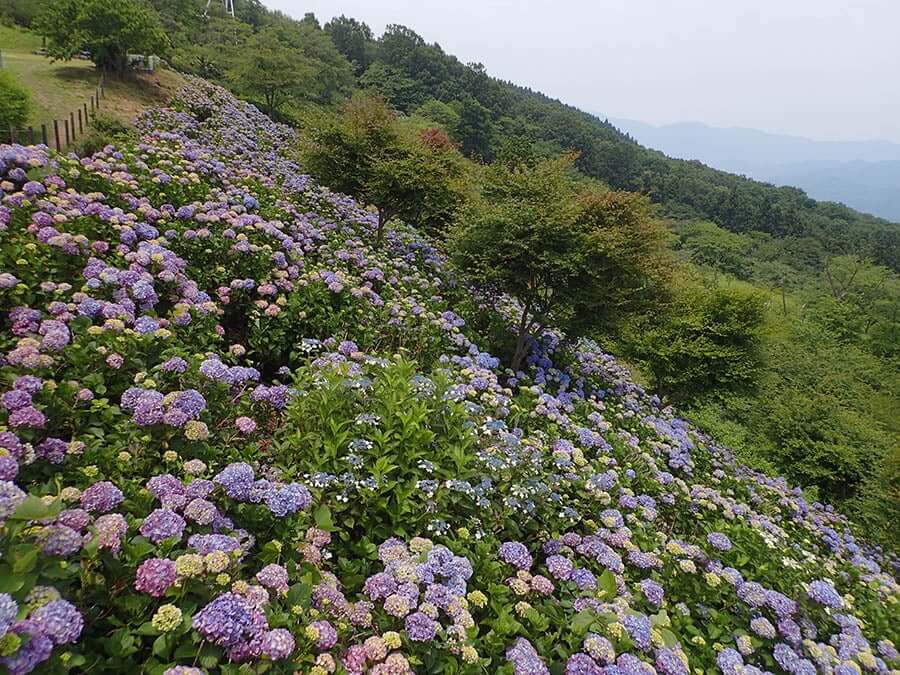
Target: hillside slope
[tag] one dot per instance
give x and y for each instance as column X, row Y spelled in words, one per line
column 238, row 432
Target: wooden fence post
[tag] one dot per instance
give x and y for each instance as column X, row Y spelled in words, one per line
column 86, row 118
column 72, row 124
column 56, row 133
column 80, row 125
column 92, row 104
column 31, row 135
column 66, row 124
column 44, row 134
column 12, row 135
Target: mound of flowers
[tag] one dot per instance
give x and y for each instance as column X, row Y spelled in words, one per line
column 240, row 436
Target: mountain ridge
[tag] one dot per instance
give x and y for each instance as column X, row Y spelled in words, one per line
column 864, row 175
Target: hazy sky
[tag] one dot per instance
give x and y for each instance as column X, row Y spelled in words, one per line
column 827, row 69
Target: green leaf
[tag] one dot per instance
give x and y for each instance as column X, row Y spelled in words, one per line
column 24, row 559
column 582, row 621
column 34, row 508
column 161, row 647
column 323, row 518
column 607, row 584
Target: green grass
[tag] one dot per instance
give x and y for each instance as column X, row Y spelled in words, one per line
column 18, row 40
column 58, row 88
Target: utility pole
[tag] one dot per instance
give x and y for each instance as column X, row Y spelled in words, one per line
column 228, row 5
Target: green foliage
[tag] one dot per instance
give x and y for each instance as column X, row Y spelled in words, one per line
column 108, row 29
column 21, row 12
column 707, row 340
column 14, row 102
column 403, row 92
column 268, row 70
column 572, row 260
column 353, row 39
column 310, row 44
column 364, row 152
column 211, row 47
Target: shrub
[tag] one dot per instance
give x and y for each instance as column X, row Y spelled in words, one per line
column 14, row 102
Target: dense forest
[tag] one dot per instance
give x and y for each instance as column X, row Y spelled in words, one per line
column 779, row 329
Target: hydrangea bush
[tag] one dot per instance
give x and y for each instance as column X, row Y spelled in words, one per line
column 239, row 437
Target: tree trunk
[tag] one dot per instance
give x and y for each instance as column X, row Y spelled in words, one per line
column 379, row 233
column 522, row 347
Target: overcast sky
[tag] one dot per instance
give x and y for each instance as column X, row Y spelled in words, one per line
column 826, row 69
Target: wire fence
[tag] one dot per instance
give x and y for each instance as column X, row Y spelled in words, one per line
column 60, row 133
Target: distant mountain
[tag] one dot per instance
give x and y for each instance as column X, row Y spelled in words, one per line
column 862, row 174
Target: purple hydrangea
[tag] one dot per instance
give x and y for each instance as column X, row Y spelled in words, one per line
column 825, row 594
column 59, row 620
column 638, row 628
column 237, row 480
column 719, row 541
column 420, row 627
column 276, row 644
column 101, row 497
column 36, row 648
column 668, row 663
column 326, row 635
column 273, row 576
column 60, row 540
column 163, row 524
column 229, row 620
column 525, row 659
column 155, row 576
column 288, row 499
column 652, row 591
column 582, row 664
column 515, row 554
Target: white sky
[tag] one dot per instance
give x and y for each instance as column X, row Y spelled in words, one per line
column 827, row 69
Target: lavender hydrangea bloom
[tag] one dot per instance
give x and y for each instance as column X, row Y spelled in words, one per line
column 825, row 594
column 638, row 629
column 237, row 480
column 59, row 620
column 719, row 541
column 276, row 644
column 163, row 524
column 8, row 611
column 229, row 620
column 420, row 627
column 652, row 591
column 36, row 648
column 525, row 659
column 582, row 664
column 288, row 499
column 155, row 576
column 101, row 497
column 668, row 663
column 515, row 554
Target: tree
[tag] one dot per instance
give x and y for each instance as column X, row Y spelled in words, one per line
column 14, row 103
column 108, row 29
column 708, row 340
column 403, row 92
column 333, row 73
column 267, row 69
column 628, row 255
column 354, row 40
column 365, row 153
column 532, row 235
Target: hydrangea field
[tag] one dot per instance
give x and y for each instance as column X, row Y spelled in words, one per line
column 239, row 437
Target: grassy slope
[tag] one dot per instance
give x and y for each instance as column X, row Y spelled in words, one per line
column 60, row 87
